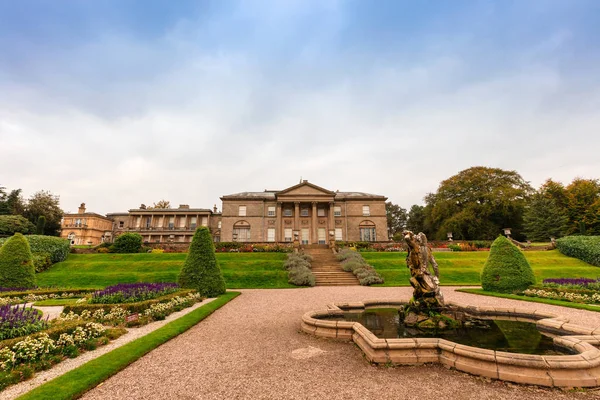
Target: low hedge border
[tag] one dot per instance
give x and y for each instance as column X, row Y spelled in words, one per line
column 39, row 292
column 138, row 307
column 78, row 381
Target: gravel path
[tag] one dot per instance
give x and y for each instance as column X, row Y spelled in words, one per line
column 252, row 349
column 72, row 363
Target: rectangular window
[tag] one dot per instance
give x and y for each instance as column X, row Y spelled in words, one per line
column 271, row 211
column 305, row 236
column 338, row 234
column 148, row 221
column 160, row 222
column 171, row 222
column 304, row 212
column 193, row 223
column 204, row 221
column 366, row 211
column 242, row 211
column 322, row 236
column 367, row 235
column 337, row 211
column 219, row 225
column 121, row 224
column 287, row 212
column 78, row 222
column 287, row 233
column 182, row 221
column 320, row 212
column 271, row 235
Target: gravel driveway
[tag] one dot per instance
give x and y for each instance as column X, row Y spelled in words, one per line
column 252, row 349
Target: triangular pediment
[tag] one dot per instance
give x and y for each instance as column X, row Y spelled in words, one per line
column 305, row 188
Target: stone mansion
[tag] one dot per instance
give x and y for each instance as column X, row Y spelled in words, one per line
column 312, row 214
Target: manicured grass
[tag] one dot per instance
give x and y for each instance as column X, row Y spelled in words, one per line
column 532, row 299
column 240, row 270
column 56, row 302
column 464, row 268
column 78, row 381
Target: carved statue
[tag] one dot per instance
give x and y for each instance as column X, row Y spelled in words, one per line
column 426, row 286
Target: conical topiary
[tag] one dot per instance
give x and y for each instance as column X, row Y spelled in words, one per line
column 201, row 270
column 506, row 269
column 16, row 263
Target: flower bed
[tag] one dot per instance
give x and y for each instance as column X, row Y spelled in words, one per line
column 18, row 296
column 240, row 247
column 21, row 357
column 577, row 290
column 19, row 321
column 132, row 292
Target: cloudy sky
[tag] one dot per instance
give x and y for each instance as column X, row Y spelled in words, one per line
column 121, row 102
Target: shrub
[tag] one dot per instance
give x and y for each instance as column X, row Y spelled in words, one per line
column 157, row 251
column 57, row 248
column 371, row 280
column 585, row 248
column 16, row 263
column 355, row 263
column 42, row 261
column 103, row 250
column 295, row 261
column 506, row 269
column 11, row 224
column 201, row 270
column 299, row 272
column 127, row 243
column 351, row 265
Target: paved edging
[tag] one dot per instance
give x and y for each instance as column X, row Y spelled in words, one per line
column 70, row 364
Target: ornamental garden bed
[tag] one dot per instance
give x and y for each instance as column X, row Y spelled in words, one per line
column 576, row 290
column 32, row 343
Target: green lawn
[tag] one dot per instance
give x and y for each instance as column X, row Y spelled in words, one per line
column 240, row 270
column 464, row 268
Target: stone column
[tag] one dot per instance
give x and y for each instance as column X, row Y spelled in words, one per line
column 315, row 238
column 279, row 222
column 331, row 218
column 297, row 216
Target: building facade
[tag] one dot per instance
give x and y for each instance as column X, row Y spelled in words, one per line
column 166, row 225
column 85, row 228
column 311, row 213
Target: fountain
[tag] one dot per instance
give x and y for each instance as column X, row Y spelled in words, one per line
column 509, row 344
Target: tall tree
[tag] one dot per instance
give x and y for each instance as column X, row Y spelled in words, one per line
column 583, row 205
column 46, row 204
column 543, row 219
column 11, row 202
column 396, row 218
column 416, row 219
column 477, row 203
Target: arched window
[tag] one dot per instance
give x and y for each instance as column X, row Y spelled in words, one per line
column 71, row 237
column 241, row 231
column 368, row 233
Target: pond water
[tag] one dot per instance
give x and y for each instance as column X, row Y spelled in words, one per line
column 501, row 335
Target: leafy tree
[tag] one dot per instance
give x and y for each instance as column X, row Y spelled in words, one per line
column 506, row 269
column 129, row 242
column 16, row 263
column 555, row 191
column 11, row 224
column 583, row 205
column 11, row 203
column 46, row 204
column 41, row 224
column 201, row 270
column 416, row 219
column 396, row 218
column 161, row 204
column 477, row 203
column 543, row 219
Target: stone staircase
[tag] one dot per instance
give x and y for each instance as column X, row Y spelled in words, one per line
column 327, row 269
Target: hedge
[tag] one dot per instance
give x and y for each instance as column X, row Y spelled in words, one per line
column 137, row 307
column 39, row 292
column 57, row 248
column 11, row 224
column 585, row 248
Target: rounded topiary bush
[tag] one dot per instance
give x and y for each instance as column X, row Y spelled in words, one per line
column 16, row 263
column 506, row 269
column 127, row 243
column 201, row 270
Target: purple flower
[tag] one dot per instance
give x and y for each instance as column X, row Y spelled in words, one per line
column 570, row 281
column 132, row 292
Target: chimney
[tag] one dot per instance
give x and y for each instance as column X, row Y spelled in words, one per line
column 215, row 209
column 142, row 206
column 81, row 208
column 305, row 181
column 184, row 207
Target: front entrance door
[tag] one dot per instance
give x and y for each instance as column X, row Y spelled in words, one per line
column 305, row 236
column 322, row 236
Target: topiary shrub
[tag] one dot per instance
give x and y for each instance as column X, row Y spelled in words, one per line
column 16, row 263
column 506, row 269
column 127, row 243
column 201, row 270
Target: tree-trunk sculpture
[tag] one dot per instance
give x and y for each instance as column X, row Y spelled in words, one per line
column 426, row 294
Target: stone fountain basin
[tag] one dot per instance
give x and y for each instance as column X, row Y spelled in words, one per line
column 580, row 369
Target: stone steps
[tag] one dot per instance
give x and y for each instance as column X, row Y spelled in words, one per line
column 327, row 269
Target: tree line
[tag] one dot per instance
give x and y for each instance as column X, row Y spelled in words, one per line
column 479, row 202
column 39, row 214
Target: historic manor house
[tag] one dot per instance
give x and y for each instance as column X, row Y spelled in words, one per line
column 310, row 213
